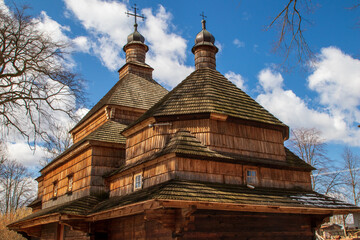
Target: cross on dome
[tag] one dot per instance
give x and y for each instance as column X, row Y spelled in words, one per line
column 135, row 15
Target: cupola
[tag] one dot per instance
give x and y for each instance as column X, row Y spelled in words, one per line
column 204, row 49
column 135, row 51
column 135, row 48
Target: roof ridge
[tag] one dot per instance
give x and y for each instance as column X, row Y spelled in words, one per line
column 208, row 91
column 128, row 92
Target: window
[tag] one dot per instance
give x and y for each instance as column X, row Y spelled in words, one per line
column 251, row 177
column 137, row 181
column 55, row 189
column 70, row 183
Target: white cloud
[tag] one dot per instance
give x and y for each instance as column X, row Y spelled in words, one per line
column 270, row 80
column 21, row 152
column 82, row 44
column 238, row 43
column 108, row 29
column 237, row 79
column 336, row 78
column 52, row 28
column 295, row 112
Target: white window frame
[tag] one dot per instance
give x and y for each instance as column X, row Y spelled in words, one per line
column 138, row 181
column 251, row 179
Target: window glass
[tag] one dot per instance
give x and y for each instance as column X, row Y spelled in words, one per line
column 251, row 177
column 138, row 181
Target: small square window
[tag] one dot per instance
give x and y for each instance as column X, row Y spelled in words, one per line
column 137, row 181
column 251, row 177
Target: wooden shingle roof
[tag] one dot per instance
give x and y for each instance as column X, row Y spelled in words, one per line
column 130, row 91
column 195, row 191
column 185, row 144
column 208, row 91
column 109, row 132
column 77, row 207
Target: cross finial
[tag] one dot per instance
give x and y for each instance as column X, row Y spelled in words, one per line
column 203, row 16
column 203, row 21
column 135, row 15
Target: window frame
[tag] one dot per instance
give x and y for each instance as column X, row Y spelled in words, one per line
column 255, row 178
column 55, row 189
column 70, row 184
column 136, row 186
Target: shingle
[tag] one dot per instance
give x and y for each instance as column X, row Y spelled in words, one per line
column 130, row 91
column 226, row 193
column 78, row 207
column 208, row 91
column 184, row 144
column 109, row 132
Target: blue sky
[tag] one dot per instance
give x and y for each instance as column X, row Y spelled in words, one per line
column 323, row 95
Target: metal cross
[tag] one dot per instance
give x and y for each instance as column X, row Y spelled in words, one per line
column 203, row 16
column 134, row 14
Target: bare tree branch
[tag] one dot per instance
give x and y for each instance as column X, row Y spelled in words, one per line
column 311, row 148
column 35, row 83
column 290, row 21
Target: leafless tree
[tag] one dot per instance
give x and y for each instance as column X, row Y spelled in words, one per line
column 15, row 183
column 310, row 147
column 292, row 23
column 59, row 140
column 35, row 82
column 352, row 175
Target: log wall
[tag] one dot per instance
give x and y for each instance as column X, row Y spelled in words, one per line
column 208, row 225
column 80, row 167
column 157, row 171
column 87, row 169
column 70, row 234
column 242, row 225
column 217, row 135
column 132, row 227
column 49, row 231
column 153, row 174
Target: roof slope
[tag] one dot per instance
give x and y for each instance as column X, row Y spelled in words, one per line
column 130, row 91
column 77, row 207
column 226, row 193
column 184, row 144
column 208, row 91
column 108, row 132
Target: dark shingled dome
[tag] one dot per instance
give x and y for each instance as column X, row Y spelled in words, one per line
column 135, row 36
column 204, row 35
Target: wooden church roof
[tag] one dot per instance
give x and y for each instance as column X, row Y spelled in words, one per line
column 208, row 91
column 109, row 132
column 185, row 144
column 130, row 91
column 185, row 191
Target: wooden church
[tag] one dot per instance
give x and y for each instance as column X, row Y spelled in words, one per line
column 203, row 161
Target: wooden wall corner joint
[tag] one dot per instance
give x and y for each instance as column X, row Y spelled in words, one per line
column 184, row 218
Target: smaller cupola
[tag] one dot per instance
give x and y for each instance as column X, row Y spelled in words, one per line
column 135, row 48
column 204, row 48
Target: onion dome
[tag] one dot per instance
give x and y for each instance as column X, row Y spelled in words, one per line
column 135, row 48
column 204, row 35
column 135, row 36
column 204, row 49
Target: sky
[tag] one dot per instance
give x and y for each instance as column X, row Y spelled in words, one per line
column 323, row 94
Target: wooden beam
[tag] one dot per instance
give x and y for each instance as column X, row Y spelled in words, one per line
column 126, row 210
column 254, row 208
column 218, row 116
column 139, row 126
